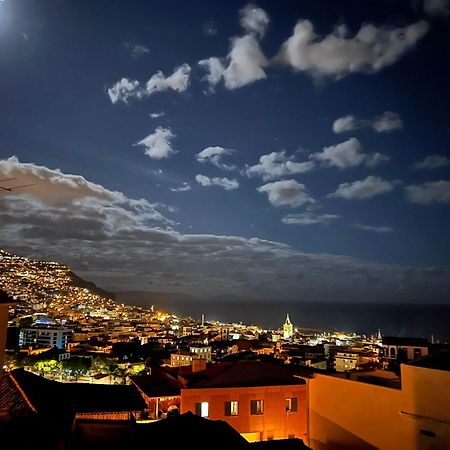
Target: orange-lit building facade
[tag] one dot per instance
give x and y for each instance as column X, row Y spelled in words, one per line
column 258, row 413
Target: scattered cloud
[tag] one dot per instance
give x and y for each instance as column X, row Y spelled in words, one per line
column 227, row 183
column 178, row 81
column 125, row 88
column 362, row 189
column 386, row 122
column 286, row 193
column 338, row 54
column 244, row 64
column 136, row 50
column 308, row 218
column 157, row 115
column 277, row 165
column 158, row 144
column 432, row 162
column 429, row 193
column 348, row 154
column 183, row 188
column 117, row 241
column 437, row 7
column 254, row 20
column 214, row 71
column 375, row 229
column 214, row 155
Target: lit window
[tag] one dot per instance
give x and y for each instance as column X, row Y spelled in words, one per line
column 202, row 409
column 291, row 405
column 256, row 407
column 232, row 408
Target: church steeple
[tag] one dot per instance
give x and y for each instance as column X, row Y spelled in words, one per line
column 288, row 328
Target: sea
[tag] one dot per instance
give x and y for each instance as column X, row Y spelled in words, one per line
column 406, row 320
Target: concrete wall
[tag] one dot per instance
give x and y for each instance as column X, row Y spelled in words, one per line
column 427, row 406
column 346, row 414
column 355, row 415
column 275, row 422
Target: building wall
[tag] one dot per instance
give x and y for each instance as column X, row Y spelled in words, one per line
column 427, row 405
column 355, row 415
column 346, row 414
column 274, row 423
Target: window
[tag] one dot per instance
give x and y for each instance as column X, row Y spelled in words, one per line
column 392, row 352
column 256, row 407
column 232, row 408
column 202, row 409
column 291, row 405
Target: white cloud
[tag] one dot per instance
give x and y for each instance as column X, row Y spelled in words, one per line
column 157, row 115
column 117, row 241
column 363, row 189
column 286, row 193
column 348, row 154
column 138, row 50
column 227, row 183
column 437, row 7
column 158, row 144
column 428, row 193
column 432, row 162
column 214, row 156
column 348, row 123
column 84, row 206
column 215, row 69
column 244, row 64
column 308, row 218
column 183, row 188
column 178, row 81
column 254, row 20
column 337, row 54
column 123, row 90
column 381, row 230
column 276, row 165
column 386, row 122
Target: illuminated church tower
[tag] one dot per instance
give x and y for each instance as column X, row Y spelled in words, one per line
column 288, row 328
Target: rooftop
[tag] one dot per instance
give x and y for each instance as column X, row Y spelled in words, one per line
column 158, row 384
column 247, row 374
column 438, row 361
column 66, row 399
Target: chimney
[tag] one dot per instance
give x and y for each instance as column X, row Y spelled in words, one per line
column 198, row 364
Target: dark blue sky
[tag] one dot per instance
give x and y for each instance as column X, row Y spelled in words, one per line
column 383, row 196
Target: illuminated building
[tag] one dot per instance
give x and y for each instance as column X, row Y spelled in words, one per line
column 288, row 328
column 262, row 401
column 202, row 352
column 44, row 337
column 371, row 410
column 404, row 348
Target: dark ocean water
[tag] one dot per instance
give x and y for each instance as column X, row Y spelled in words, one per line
column 413, row 320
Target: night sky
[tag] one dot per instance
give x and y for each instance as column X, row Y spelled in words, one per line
column 291, row 150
